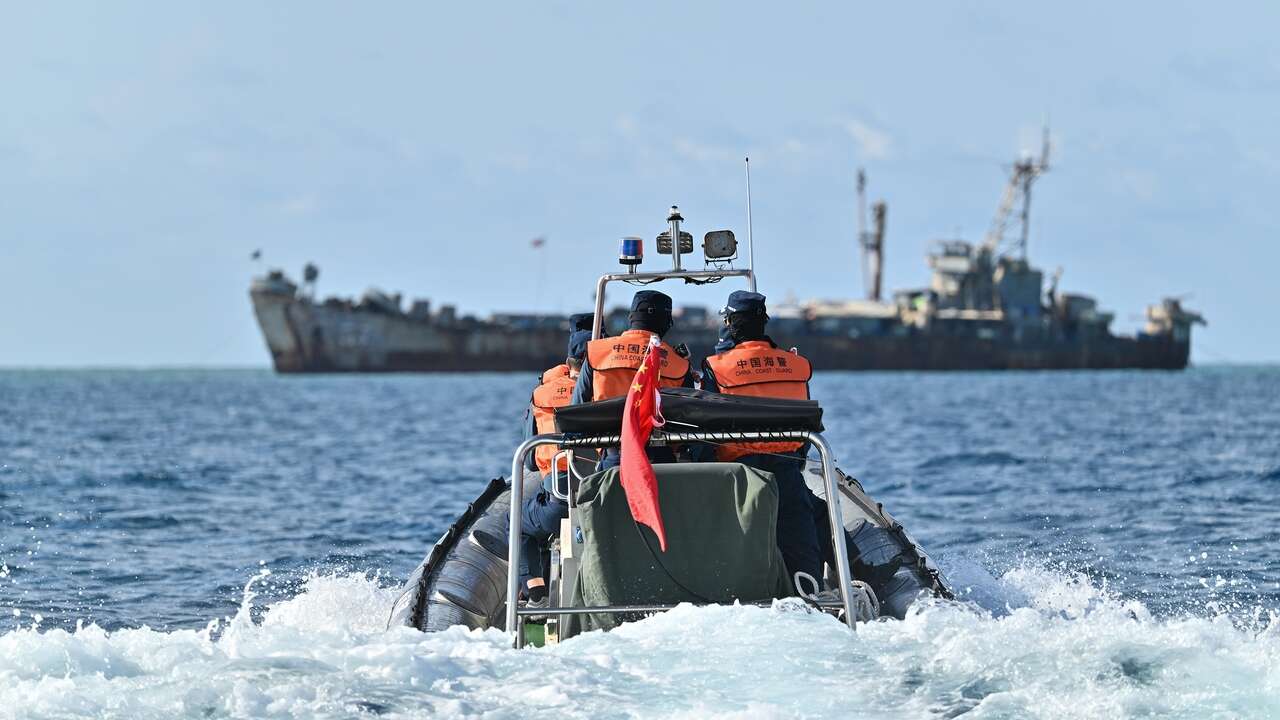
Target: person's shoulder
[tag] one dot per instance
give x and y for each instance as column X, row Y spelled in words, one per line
column 804, row 362
column 796, row 353
column 598, row 350
column 723, row 354
column 559, row 371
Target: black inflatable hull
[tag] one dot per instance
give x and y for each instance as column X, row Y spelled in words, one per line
column 881, row 553
column 463, row 580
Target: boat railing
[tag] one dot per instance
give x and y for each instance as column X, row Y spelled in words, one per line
column 829, row 479
column 570, row 474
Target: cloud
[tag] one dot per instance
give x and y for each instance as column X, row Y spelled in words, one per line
column 208, row 158
column 792, row 146
column 872, row 143
column 626, row 125
column 1135, row 183
column 299, row 205
column 515, row 161
column 1237, row 71
column 706, row 153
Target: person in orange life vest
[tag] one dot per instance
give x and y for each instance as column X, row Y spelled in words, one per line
column 555, row 388
column 581, row 321
column 543, row 511
column 724, row 341
column 755, row 367
column 612, row 362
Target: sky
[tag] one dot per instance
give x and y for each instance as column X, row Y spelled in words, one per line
column 147, row 149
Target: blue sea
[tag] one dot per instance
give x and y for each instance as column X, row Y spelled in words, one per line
column 202, row 543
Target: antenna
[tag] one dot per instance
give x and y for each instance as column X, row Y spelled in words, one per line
column 1032, row 170
column 862, row 226
column 870, row 242
column 862, row 202
column 751, row 242
column 1044, row 148
column 862, row 218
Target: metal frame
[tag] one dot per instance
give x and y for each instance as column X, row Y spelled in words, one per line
column 597, row 326
column 568, row 475
column 834, row 513
column 677, row 272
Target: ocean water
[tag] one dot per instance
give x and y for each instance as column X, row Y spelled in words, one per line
column 228, row 544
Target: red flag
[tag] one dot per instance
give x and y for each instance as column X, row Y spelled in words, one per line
column 640, row 415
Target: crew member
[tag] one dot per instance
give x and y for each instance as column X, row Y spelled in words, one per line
column 543, row 511
column 754, row 366
column 612, row 362
column 581, row 321
column 555, row 389
column 724, row 342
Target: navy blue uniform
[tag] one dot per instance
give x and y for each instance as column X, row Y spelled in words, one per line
column 542, row 512
column 798, row 539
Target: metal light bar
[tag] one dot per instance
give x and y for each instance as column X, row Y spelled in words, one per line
column 604, row 280
column 516, row 519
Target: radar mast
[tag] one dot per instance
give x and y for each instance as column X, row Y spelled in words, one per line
column 871, row 242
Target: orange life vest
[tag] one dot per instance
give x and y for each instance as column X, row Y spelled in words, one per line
column 756, row 368
column 558, row 371
column 555, row 391
column 614, row 361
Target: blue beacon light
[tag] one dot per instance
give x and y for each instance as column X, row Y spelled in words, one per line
column 631, row 251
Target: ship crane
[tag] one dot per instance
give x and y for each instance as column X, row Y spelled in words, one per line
column 1018, row 192
column 871, row 242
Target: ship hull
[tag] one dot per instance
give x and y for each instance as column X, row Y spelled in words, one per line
column 923, row 352
column 304, row 337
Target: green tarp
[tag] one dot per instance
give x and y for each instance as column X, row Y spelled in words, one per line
column 721, row 525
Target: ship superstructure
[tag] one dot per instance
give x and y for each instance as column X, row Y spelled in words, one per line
column 986, row 307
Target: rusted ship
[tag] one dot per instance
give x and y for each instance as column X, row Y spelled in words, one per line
column 986, row 308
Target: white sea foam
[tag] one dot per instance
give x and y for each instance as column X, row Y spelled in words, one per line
column 1073, row 652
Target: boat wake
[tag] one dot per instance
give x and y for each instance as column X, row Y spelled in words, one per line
column 1044, row 644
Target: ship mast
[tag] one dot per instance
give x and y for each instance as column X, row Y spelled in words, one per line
column 310, row 273
column 1018, row 192
column 872, row 243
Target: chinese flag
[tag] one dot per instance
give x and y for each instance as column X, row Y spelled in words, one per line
column 640, row 415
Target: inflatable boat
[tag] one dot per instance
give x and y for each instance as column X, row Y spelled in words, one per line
column 720, row 519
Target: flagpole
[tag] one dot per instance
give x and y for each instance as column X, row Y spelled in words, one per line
column 751, row 240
